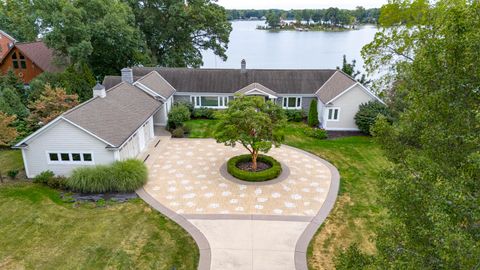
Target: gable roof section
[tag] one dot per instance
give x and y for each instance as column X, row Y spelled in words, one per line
column 117, row 116
column 40, row 54
column 8, row 36
column 335, row 86
column 155, row 82
column 282, row 81
column 256, row 86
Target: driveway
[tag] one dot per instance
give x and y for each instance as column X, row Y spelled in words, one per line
column 241, row 225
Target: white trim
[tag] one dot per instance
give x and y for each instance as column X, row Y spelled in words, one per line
column 148, row 90
column 327, row 109
column 25, row 163
column 263, row 92
column 342, row 129
column 298, row 99
column 353, row 86
column 225, row 99
column 70, row 161
column 134, row 133
column 116, row 155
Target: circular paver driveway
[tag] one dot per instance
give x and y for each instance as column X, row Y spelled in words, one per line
column 241, row 226
column 185, row 176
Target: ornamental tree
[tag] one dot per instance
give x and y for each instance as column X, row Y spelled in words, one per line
column 7, row 132
column 254, row 123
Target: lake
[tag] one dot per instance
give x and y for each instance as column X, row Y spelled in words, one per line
column 290, row 49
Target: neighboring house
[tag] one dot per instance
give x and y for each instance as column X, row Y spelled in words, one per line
column 118, row 123
column 28, row 60
column 6, row 42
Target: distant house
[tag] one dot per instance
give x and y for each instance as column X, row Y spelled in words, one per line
column 118, row 122
column 6, row 42
column 28, row 60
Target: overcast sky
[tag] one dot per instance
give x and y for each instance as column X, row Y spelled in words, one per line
column 299, row 4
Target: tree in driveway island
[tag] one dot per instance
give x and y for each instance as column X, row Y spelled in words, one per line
column 252, row 122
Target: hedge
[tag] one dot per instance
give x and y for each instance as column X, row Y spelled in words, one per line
column 121, row 176
column 367, row 115
column 260, row 176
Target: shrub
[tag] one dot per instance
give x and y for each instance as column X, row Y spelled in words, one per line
column 178, row 115
column 121, row 176
column 260, row 176
column 12, row 174
column 313, row 114
column 203, row 113
column 368, row 113
column 316, row 133
column 178, row 133
column 189, row 105
column 43, row 177
column 295, row 115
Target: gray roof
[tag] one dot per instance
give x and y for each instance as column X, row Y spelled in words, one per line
column 258, row 86
column 157, row 83
column 338, row 83
column 117, row 116
column 282, row 81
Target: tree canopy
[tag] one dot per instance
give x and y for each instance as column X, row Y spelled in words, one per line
column 252, row 122
column 7, row 132
column 432, row 190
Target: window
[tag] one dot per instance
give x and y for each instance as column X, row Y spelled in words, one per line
column 292, row 102
column 70, row 158
column 333, row 114
column 210, row 101
column 19, row 61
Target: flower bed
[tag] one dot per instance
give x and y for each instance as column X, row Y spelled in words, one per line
column 274, row 170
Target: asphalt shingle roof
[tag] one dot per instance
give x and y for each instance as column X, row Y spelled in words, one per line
column 157, row 83
column 40, row 54
column 117, row 116
column 338, row 83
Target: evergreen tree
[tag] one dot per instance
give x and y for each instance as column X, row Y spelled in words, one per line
column 313, row 114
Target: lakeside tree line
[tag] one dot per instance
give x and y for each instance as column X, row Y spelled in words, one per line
column 360, row 15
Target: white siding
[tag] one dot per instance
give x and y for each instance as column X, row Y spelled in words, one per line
column 348, row 104
column 138, row 142
column 160, row 117
column 62, row 136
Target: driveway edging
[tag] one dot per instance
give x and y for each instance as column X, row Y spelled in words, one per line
column 202, row 242
column 301, row 247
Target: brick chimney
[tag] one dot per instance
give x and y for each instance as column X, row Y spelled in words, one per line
column 127, row 75
column 99, row 91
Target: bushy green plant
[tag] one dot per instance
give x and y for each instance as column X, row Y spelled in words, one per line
column 57, row 183
column 178, row 133
column 177, row 116
column 121, row 176
column 189, row 105
column 43, row 177
column 316, row 133
column 313, row 114
column 295, row 115
column 260, row 176
column 12, row 174
column 203, row 113
column 368, row 113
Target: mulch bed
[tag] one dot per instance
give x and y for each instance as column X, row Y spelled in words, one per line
column 247, row 166
column 117, row 197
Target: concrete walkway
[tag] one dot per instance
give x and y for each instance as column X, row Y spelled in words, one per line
column 240, row 225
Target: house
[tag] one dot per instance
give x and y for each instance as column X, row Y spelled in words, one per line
column 6, row 42
column 28, row 60
column 118, row 122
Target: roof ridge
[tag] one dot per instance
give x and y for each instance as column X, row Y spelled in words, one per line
column 30, row 42
column 237, row 69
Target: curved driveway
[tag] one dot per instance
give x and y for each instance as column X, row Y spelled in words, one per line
column 241, row 226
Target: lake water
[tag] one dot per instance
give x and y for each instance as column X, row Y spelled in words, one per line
column 290, row 49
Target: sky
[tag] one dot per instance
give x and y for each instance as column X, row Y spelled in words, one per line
column 299, row 4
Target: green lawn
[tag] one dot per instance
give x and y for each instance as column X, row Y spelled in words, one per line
column 356, row 213
column 10, row 160
column 201, row 128
column 40, row 231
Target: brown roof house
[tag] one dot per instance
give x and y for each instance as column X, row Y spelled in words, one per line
column 118, row 122
column 29, row 59
column 6, row 42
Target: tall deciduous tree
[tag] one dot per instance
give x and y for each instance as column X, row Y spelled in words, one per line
column 7, row 132
column 51, row 103
column 176, row 33
column 101, row 33
column 432, row 191
column 273, row 19
column 254, row 123
column 18, row 18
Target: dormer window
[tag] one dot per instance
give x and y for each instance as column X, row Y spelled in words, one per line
column 19, row 61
